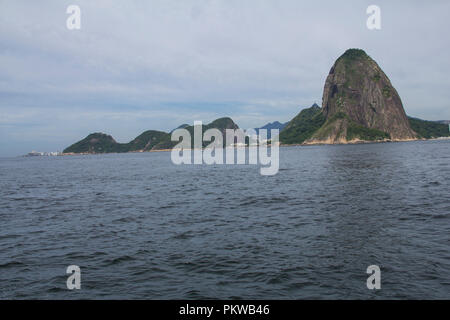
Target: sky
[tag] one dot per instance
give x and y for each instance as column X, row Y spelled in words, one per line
column 141, row 65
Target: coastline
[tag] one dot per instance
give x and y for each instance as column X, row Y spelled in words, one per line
column 312, row 143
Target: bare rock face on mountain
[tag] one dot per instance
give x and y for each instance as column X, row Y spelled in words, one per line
column 360, row 103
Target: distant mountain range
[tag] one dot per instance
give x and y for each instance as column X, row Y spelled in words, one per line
column 150, row 140
column 359, row 104
column 183, row 126
column 272, row 125
column 296, row 131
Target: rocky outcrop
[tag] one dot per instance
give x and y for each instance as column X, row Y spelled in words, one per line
column 360, row 103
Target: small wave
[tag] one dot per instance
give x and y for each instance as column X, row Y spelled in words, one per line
column 11, row 264
column 440, row 216
column 264, row 200
column 431, row 184
column 123, row 220
column 9, row 236
column 184, row 235
column 120, row 259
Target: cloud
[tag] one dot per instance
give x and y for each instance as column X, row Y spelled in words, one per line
column 140, row 65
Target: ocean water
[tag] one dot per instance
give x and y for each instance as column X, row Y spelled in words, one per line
column 140, row 227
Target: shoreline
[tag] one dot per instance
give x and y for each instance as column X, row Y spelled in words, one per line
column 352, row 142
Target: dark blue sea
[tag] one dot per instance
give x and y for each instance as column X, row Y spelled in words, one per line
column 141, row 227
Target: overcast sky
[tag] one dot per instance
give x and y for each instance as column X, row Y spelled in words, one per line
column 139, row 65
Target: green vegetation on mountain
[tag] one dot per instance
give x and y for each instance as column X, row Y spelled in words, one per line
column 221, row 124
column 357, row 131
column 429, row 129
column 351, row 55
column 147, row 141
column 103, row 143
column 95, row 143
column 302, row 126
column 342, row 128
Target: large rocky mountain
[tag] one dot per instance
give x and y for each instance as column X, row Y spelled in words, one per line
column 359, row 104
column 358, row 93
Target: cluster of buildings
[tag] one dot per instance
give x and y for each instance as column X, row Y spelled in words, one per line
column 48, row 154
